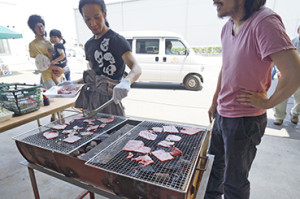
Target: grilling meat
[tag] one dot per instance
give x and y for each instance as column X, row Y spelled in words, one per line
column 102, row 125
column 89, row 121
column 170, row 129
column 173, row 138
column 130, row 155
column 165, row 143
column 162, row 155
column 106, row 120
column 71, row 131
column 77, row 128
column 144, row 160
column 136, row 146
column 147, row 135
column 86, row 133
column 92, row 128
column 72, row 139
column 191, row 131
column 50, row 134
column 60, row 126
column 176, row 152
column 157, row 129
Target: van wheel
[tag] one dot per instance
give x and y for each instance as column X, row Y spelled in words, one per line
column 192, row 82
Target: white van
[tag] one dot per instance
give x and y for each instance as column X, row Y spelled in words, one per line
column 180, row 64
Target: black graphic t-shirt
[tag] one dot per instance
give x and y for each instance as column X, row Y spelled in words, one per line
column 62, row 63
column 105, row 54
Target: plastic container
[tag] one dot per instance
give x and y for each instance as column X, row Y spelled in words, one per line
column 5, row 114
column 20, row 98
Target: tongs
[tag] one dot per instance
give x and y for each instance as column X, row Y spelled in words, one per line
column 92, row 113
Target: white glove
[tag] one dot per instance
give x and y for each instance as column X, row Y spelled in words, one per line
column 66, row 83
column 121, row 90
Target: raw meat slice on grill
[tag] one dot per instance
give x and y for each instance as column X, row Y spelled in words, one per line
column 59, row 126
column 102, row 125
column 170, row 129
column 106, row 120
column 176, row 152
column 173, row 138
column 92, row 128
column 162, row 155
column 132, row 145
column 50, row 134
column 190, row 131
column 157, row 129
column 143, row 150
column 147, row 135
column 89, row 121
column 130, row 155
column 165, row 143
column 69, row 122
column 136, row 146
column 76, row 128
column 78, row 118
column 70, row 131
column 144, row 160
column 72, row 139
column 86, row 133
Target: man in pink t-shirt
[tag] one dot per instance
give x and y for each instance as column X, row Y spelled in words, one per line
column 253, row 40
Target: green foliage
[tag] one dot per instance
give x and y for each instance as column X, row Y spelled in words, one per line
column 208, row 50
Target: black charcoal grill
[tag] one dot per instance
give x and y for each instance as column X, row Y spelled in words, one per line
column 107, row 168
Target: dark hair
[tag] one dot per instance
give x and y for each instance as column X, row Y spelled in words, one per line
column 98, row 2
column 57, row 33
column 252, row 6
column 33, row 20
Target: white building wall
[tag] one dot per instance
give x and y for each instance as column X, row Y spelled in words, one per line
column 196, row 20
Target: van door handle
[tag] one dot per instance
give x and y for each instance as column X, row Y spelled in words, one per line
column 164, row 59
column 156, row 58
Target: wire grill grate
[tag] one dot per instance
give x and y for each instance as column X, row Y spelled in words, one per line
column 172, row 174
column 36, row 138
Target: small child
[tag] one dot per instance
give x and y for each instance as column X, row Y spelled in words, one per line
column 59, row 59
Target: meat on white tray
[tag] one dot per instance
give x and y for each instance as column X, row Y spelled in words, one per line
column 147, row 135
column 173, row 138
column 165, row 143
column 191, row 131
column 72, row 139
column 170, row 129
column 50, row 134
column 162, row 155
column 136, row 146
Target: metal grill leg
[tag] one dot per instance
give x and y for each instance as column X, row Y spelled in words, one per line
column 33, row 183
column 85, row 193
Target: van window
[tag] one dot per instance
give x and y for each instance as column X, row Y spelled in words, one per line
column 147, row 46
column 130, row 43
column 174, row 47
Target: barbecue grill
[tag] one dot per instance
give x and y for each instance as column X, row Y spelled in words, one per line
column 106, row 167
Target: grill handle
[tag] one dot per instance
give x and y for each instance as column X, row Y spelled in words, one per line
column 206, row 164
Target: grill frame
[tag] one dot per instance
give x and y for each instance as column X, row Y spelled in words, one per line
column 37, row 134
column 133, row 133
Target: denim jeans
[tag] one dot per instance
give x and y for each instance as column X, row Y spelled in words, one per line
column 280, row 109
column 233, row 143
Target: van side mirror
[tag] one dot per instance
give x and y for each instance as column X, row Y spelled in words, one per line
column 187, row 52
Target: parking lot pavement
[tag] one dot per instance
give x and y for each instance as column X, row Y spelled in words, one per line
column 275, row 172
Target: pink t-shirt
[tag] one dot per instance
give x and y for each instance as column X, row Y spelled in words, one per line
column 246, row 61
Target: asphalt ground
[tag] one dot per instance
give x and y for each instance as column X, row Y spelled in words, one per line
column 275, row 172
